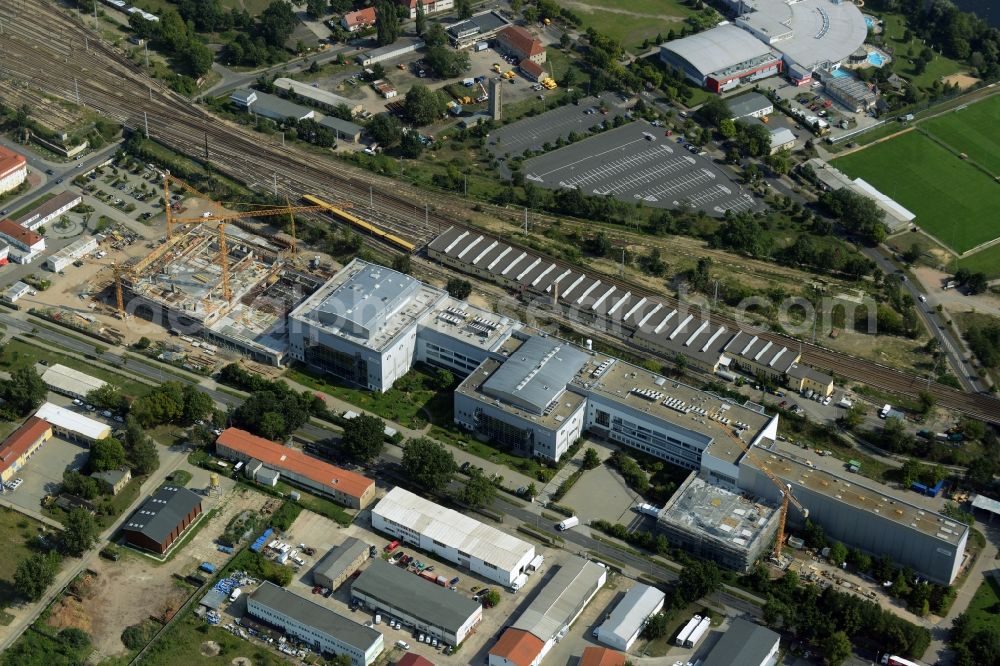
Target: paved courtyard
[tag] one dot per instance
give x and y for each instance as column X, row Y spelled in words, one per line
column 44, row 471
column 636, row 162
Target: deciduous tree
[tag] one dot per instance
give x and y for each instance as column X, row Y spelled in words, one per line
column 428, row 463
column 364, row 438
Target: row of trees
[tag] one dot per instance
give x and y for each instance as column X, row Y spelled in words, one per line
column 173, row 36
column 22, row 394
column 272, row 410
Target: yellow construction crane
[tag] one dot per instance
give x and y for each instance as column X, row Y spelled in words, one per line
column 220, row 217
column 785, row 488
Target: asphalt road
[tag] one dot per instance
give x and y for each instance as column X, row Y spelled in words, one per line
column 934, row 323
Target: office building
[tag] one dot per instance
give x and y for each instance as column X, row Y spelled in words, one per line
column 750, row 105
column 25, row 244
column 418, row 602
column 320, row 628
column 452, row 536
column 521, row 44
column 13, row 169
column 50, row 210
column 430, row 6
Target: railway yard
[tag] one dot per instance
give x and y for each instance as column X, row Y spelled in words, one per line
column 117, row 89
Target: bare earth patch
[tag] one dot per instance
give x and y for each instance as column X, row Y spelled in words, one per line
column 241, row 661
column 211, row 649
column 963, row 81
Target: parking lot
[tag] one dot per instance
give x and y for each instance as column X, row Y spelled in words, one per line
column 636, row 162
column 135, row 191
column 43, row 473
column 322, row 534
column 533, row 132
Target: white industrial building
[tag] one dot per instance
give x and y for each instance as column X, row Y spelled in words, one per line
column 70, row 425
column 548, row 618
column 50, row 210
column 627, row 620
column 269, row 106
column 318, row 627
column 419, row 603
column 395, row 50
column 16, row 292
column 722, row 58
column 453, row 536
column 65, row 257
column 68, row 381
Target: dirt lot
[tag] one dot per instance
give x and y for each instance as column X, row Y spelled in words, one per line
column 122, row 593
column 963, row 81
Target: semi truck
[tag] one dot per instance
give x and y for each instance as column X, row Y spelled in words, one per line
column 683, row 634
column 893, row 660
column 697, row 633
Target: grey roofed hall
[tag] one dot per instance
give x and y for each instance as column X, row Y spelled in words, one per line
column 162, row 512
column 336, row 561
column 311, row 614
column 535, row 374
column 718, row 48
column 747, row 105
column 341, row 127
column 415, row 596
column 364, row 302
column 561, row 599
column 744, row 643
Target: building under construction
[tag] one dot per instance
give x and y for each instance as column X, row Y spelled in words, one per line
column 181, row 286
column 713, row 522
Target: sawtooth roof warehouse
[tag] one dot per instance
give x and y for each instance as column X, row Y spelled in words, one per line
column 536, row 394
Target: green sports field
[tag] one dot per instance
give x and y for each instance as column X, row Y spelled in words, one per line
column 973, row 130
column 953, row 201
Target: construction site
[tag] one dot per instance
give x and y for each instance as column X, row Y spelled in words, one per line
column 731, row 528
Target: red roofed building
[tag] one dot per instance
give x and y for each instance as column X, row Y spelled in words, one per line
column 413, row 659
column 517, row 647
column 348, row 488
column 598, row 656
column 430, row 6
column 518, row 42
column 13, row 169
column 532, row 70
column 24, row 240
column 363, row 18
column 21, row 445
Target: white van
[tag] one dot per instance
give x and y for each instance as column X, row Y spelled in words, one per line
column 570, row 522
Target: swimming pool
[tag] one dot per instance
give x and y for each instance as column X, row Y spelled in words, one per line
column 870, row 22
column 875, row 58
column 839, row 73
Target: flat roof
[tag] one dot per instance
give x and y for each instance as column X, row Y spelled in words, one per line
column 562, row 598
column 316, row 94
column 481, row 23
column 686, row 407
column 16, row 290
column 727, row 518
column 808, row 32
column 415, row 596
column 336, row 560
column 796, row 471
column 19, row 441
column 60, row 378
column 162, row 512
column 632, row 611
column 536, row 374
column 718, row 49
column 986, row 504
column 279, row 106
column 453, row 529
column 470, row 324
column 69, row 420
column 743, row 643
column 368, row 304
column 399, row 45
column 280, row 457
column 311, row 614
column 341, row 125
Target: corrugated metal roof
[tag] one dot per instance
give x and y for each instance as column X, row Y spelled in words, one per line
column 60, row 378
column 453, row 529
column 162, row 513
column 78, row 423
column 562, row 598
column 631, row 612
column 744, row 643
column 414, row 596
column 311, row 614
column 336, row 561
column 536, row 374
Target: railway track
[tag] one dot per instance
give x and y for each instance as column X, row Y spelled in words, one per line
column 56, row 56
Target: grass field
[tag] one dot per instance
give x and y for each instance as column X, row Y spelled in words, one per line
column 982, row 609
column 937, row 186
column 16, row 530
column 631, row 21
column 939, row 67
column 16, row 354
column 972, row 130
column 985, row 261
